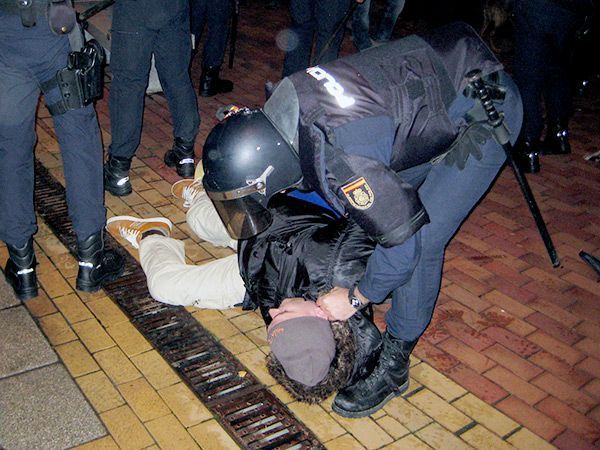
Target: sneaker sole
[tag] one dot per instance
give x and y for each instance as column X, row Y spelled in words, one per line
column 138, row 220
column 179, row 186
column 358, row 414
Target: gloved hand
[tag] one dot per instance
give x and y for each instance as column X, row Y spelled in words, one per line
column 468, row 143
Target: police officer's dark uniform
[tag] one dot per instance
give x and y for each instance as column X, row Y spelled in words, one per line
column 388, row 139
column 313, row 20
column 544, row 39
column 141, row 29
column 31, row 58
column 215, row 17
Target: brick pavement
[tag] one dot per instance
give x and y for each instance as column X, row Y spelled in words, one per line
column 511, row 357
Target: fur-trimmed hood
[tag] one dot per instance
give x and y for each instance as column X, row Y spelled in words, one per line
column 358, row 344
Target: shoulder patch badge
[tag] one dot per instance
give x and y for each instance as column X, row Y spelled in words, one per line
column 359, row 193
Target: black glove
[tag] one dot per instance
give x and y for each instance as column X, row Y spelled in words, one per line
column 468, row 142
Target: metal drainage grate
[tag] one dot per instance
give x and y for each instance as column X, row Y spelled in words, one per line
column 253, row 416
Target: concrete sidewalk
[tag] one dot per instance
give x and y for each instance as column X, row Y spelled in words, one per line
column 40, row 404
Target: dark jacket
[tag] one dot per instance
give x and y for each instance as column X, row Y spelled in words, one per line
column 307, row 251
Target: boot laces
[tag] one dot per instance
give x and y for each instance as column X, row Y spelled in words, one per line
column 385, row 360
column 190, row 192
column 131, row 235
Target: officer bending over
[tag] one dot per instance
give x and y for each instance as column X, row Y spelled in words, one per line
column 390, row 140
column 33, row 58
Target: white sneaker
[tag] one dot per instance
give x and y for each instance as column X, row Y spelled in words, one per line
column 187, row 190
column 132, row 228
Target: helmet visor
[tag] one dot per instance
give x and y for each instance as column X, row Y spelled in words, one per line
column 243, row 217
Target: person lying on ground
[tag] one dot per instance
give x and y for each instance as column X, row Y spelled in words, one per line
column 281, row 271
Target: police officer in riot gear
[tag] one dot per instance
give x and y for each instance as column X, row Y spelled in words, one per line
column 39, row 53
column 391, row 139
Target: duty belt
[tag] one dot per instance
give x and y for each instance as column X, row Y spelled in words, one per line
column 34, row 8
column 60, row 13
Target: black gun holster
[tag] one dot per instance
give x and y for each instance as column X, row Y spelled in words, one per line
column 80, row 83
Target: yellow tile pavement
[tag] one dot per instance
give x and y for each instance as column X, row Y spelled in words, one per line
column 93, row 335
column 73, row 308
column 143, row 399
column 211, row 436
column 185, row 405
column 57, row 329
column 170, row 434
column 126, row 429
column 100, row 391
column 116, row 365
column 156, row 370
column 76, row 358
column 129, row 339
column 315, row 417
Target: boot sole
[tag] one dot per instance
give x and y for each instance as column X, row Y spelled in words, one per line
column 185, row 172
column 24, row 294
column 213, row 93
column 367, row 412
column 119, row 192
column 108, row 278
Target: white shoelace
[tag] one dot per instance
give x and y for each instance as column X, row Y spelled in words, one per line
column 130, row 235
column 190, row 192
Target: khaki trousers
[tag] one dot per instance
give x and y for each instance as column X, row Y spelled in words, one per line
column 215, row 285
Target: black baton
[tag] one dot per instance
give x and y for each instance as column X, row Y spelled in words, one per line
column 496, row 120
column 93, row 10
column 338, row 28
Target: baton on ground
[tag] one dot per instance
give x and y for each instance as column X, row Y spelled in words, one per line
column 591, row 260
column 496, row 120
column 338, row 28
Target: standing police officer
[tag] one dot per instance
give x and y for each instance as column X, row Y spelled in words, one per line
column 141, row 29
column 34, row 51
column 544, row 41
column 391, row 139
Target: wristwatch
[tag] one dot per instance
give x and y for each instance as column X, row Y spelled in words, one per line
column 354, row 300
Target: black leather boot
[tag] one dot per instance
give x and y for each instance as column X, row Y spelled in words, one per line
column 389, row 379
column 211, row 84
column 181, row 156
column 96, row 265
column 116, row 176
column 20, row 270
column 556, row 141
column 527, row 155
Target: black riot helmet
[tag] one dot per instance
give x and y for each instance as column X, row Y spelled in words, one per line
column 246, row 161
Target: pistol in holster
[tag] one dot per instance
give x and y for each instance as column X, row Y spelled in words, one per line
column 80, row 83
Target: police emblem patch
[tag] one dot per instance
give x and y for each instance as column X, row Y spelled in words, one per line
column 359, row 193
